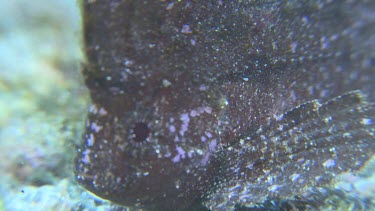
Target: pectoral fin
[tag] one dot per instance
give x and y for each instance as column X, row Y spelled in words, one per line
column 302, row 150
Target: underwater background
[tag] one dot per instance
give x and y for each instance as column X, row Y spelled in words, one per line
column 43, row 105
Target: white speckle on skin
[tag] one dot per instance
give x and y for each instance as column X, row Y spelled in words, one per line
column 263, row 137
column 180, row 155
column 334, row 37
column 293, row 95
column 193, row 113
column 293, row 47
column 311, row 89
column 166, row 83
column 300, row 160
column 86, row 158
column 93, row 109
column 305, row 20
column 329, row 163
column 202, row 88
column 176, row 159
column 324, row 44
column 212, row 145
column 200, row 110
column 323, row 93
column 327, row 119
column 278, row 118
column 205, row 158
column 208, row 110
column 181, row 152
column 273, row 188
column 186, row 29
column 347, row 135
column 102, row 112
column 128, row 62
column 172, row 128
column 366, row 121
column 168, row 155
column 85, row 170
column 199, row 151
column 185, row 123
column 176, row 139
column 318, row 178
column 90, row 140
column 250, row 165
column 242, row 142
column 203, row 139
column 95, row 127
column 294, row 177
column 170, row 6
column 177, row 183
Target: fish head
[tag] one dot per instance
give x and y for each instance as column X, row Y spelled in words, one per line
column 155, row 148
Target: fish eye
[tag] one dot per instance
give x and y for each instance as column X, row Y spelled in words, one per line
column 140, row 132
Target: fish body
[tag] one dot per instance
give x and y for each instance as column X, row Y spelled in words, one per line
column 225, row 103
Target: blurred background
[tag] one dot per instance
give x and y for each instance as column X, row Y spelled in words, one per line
column 42, row 106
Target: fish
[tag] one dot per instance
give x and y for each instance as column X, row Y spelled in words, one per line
column 218, row 105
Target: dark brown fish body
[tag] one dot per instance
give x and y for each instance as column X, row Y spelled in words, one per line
column 225, row 102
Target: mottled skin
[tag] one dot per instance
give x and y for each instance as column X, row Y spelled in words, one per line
column 225, row 102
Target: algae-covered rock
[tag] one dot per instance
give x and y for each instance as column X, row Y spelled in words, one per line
column 60, row 197
column 42, row 104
